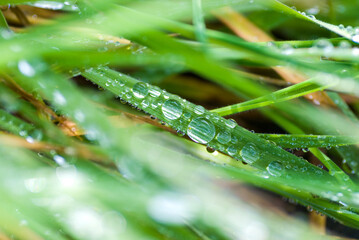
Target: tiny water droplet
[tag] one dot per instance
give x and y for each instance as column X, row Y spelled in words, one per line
column 323, row 44
column 231, row 123
column 286, row 49
column 201, row 130
column 275, row 169
column 210, row 149
column 344, row 44
column 140, row 90
column 249, row 153
column 224, row 137
column 172, row 109
column 187, row 116
column 145, row 103
column 26, row 69
column 232, row 150
column 155, row 91
column 59, row 98
column 180, row 133
column 199, row 110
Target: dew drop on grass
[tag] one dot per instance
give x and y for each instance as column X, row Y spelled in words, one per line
column 275, row 169
column 231, row 123
column 59, row 98
column 324, row 44
column 210, row 149
column 344, row 45
column 201, row 130
column 249, row 153
column 172, row 109
column 26, row 69
column 145, row 103
column 155, row 91
column 140, row 90
column 187, row 116
column 199, row 110
column 224, row 137
column 35, row 185
column 49, row 5
column 232, row 150
column 355, row 38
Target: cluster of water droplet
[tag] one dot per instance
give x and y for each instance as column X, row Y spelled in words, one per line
column 200, row 125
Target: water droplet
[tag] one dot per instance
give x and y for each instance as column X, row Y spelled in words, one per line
column 249, row 153
column 180, row 133
column 231, row 123
column 344, row 44
column 173, row 208
column 210, row 149
column 355, row 38
column 48, row 5
column 187, row 116
column 224, row 137
column 172, row 109
column 35, row 185
column 232, row 150
column 286, row 49
column 155, row 91
column 275, row 169
column 59, row 160
column 140, row 90
column 145, row 103
column 59, row 98
column 201, row 130
column 234, row 139
column 199, row 110
column 323, row 44
column 26, row 69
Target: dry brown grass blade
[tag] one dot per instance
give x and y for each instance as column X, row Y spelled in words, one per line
column 81, row 150
column 245, row 29
column 318, row 222
column 67, row 126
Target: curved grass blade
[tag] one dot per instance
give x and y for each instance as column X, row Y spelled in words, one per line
column 297, row 90
column 340, row 30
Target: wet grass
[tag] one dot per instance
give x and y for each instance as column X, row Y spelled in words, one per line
column 165, row 119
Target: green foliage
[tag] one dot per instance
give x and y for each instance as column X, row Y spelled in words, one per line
column 78, row 163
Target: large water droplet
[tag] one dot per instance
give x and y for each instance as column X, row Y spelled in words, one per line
column 140, row 90
column 224, row 137
column 249, row 153
column 172, row 109
column 275, row 169
column 201, row 130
